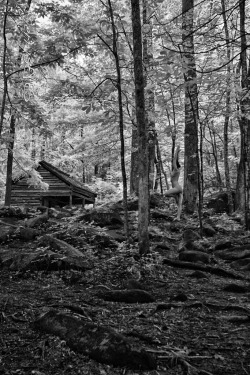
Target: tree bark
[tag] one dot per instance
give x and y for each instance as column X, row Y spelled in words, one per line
column 227, row 111
column 149, row 89
column 143, row 210
column 161, row 164
column 121, row 122
column 134, row 173
column 5, row 82
column 242, row 191
column 10, row 161
column 12, row 134
column 191, row 164
column 215, row 155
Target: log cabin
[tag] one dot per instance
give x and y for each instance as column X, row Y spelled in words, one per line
column 62, row 189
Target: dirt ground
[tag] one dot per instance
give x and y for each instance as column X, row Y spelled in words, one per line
column 193, row 327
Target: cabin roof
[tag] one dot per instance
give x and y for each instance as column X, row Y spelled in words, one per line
column 75, row 185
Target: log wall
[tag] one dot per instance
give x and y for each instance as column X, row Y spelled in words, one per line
column 22, row 193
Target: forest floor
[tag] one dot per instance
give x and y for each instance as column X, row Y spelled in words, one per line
column 196, row 324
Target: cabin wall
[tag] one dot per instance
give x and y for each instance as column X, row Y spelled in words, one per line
column 58, row 193
column 23, row 194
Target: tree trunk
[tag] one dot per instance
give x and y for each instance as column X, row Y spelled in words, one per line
column 12, row 132
column 134, row 173
column 33, row 146
column 43, row 148
column 242, row 192
column 143, row 210
column 215, row 155
column 161, row 164
column 5, row 83
column 227, row 111
column 121, row 122
column 149, row 89
column 191, row 164
column 10, row 161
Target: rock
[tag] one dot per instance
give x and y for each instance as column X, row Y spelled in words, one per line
column 193, row 246
column 28, row 234
column 223, row 244
column 5, row 233
column 59, row 246
column 194, row 256
column 241, row 264
column 190, row 235
column 13, row 211
column 180, row 297
column 101, row 218
column 219, row 202
column 198, row 275
column 235, row 288
column 103, row 241
column 176, row 226
column 155, row 233
column 96, row 236
column 42, row 259
column 157, row 214
column 163, row 245
column 36, row 221
column 156, row 200
column 208, row 230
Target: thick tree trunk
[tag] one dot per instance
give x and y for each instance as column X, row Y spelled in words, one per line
column 10, row 161
column 227, row 111
column 240, row 183
column 134, row 172
column 121, row 122
column 12, row 131
column 191, row 164
column 5, row 84
column 242, row 192
column 143, row 210
column 149, row 89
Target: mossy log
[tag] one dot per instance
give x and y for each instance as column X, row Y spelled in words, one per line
column 100, row 343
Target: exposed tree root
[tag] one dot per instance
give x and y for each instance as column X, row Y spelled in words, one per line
column 213, row 270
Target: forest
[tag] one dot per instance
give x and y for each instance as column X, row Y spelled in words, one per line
column 124, row 187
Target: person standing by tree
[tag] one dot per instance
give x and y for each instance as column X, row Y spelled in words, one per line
column 176, row 190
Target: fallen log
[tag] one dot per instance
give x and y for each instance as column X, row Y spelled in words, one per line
column 100, row 343
column 210, row 269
